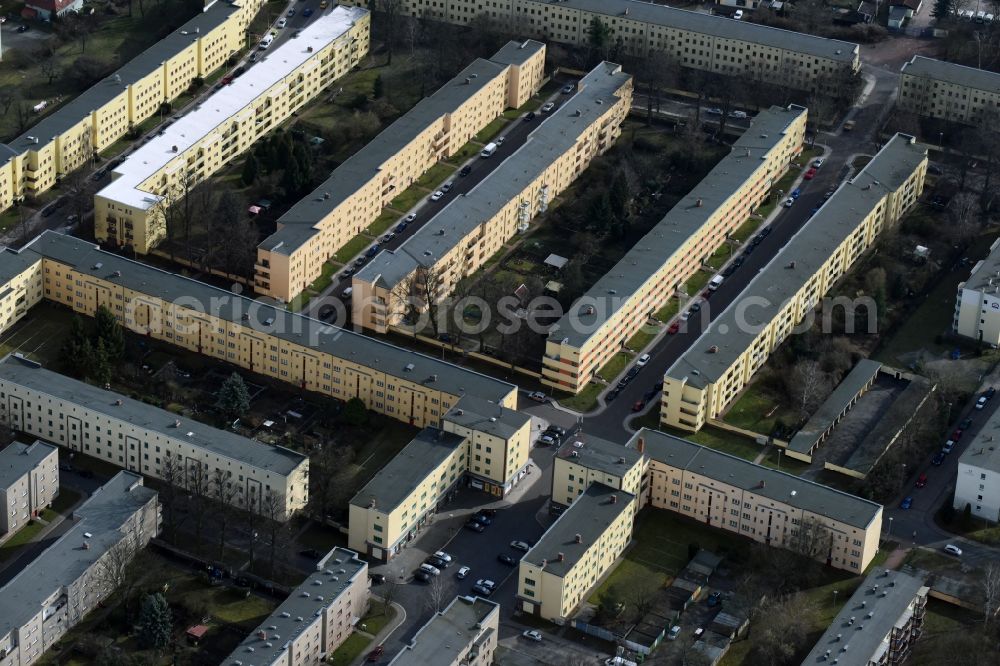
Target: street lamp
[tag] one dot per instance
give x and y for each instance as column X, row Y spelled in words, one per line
column 889, row 535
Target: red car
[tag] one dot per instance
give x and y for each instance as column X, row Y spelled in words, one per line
column 922, row 480
column 674, row 327
column 809, row 175
column 376, row 654
column 957, row 435
column 639, row 404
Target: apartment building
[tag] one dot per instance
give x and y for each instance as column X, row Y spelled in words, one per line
column 54, row 592
column 29, row 481
column 712, row 372
column 757, row 502
column 585, row 459
column 465, row 633
column 356, row 192
column 131, row 211
column 469, row 230
column 273, row 342
column 553, row 578
column 977, row 306
column 389, row 511
column 877, row 626
column 977, row 483
column 315, row 619
column 606, row 317
column 693, row 39
column 140, row 437
column 73, row 135
column 479, row 444
column 939, row 89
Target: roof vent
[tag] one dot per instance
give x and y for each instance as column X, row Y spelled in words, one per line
column 621, row 460
column 118, row 403
column 698, row 203
column 459, row 412
column 614, row 499
column 409, row 367
column 560, row 557
column 98, row 266
column 578, row 538
column 117, row 274
column 493, row 419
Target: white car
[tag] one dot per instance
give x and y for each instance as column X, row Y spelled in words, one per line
column 487, row 583
column 430, row 570
column 532, row 635
column 520, row 545
column 643, row 360
column 499, row 140
column 789, row 202
column 740, row 115
column 443, row 555
column 953, row 550
column 462, row 573
column 981, row 402
column 818, row 162
column 437, row 195
column 411, row 217
column 738, row 14
column 282, row 22
column 548, row 106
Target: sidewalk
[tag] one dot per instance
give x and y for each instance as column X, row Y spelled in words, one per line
column 380, row 637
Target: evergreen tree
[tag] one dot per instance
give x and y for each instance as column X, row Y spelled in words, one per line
column 355, row 413
column 155, row 621
column 943, row 9
column 234, row 398
column 110, row 332
column 619, row 196
column 598, row 35
column 100, row 364
column 304, row 159
column 251, row 169
column 601, row 216
column 73, row 352
column 378, row 87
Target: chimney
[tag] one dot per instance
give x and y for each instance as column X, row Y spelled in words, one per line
column 578, row 539
column 544, row 562
column 614, row 499
column 371, row 503
column 641, row 445
column 698, row 203
column 560, row 557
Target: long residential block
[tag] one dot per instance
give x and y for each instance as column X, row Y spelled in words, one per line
column 469, row 230
column 480, row 444
column 465, row 633
column 712, row 372
column 29, row 481
column 315, row 619
column 939, row 89
column 605, row 318
column 693, row 39
column 584, row 542
column 977, row 303
column 70, row 578
column 356, row 192
column 273, row 342
column 132, row 210
column 977, row 483
column 140, row 437
column 73, row 135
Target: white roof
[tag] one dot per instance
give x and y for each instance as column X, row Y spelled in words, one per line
column 222, row 105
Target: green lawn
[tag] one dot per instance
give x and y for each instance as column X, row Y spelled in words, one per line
column 614, row 366
column 436, row 175
column 352, row 248
column 697, row 282
column 383, row 222
column 942, row 620
column 640, row 340
column 378, row 617
column 747, row 229
column 410, row 197
column 464, row 153
column 23, row 536
column 349, row 650
column 324, row 279
column 782, row 462
column 987, row 535
column 933, row 316
column 721, row 256
column 757, row 409
column 720, row 440
column 584, row 401
column 322, row 537
column 491, row 130
column 667, row 312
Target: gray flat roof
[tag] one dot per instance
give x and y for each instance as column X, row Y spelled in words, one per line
column 781, row 487
column 296, row 226
column 985, row 275
column 319, row 590
column 554, row 136
column 19, row 458
column 714, row 26
column 867, row 619
column 737, row 327
column 983, row 450
column 890, row 423
column 341, row 343
column 62, row 563
column 486, row 416
column 448, row 634
column 134, row 70
column 834, row 406
column 596, row 453
column 14, row 262
column 663, row 241
column 33, row 376
column 949, row 72
column 393, row 483
column 589, row 515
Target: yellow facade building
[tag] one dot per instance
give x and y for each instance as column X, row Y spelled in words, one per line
column 465, row 633
column 356, row 192
column 617, row 306
column 140, row 438
column 69, row 137
column 712, row 372
column 584, row 459
column 480, row 444
column 467, row 232
column 939, row 89
column 275, row 343
column 133, row 211
column 575, row 552
column 695, row 40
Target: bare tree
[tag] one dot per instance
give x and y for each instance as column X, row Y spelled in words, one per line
column 436, row 595
column 811, row 539
column 809, row 385
column 172, row 475
column 198, row 483
column 120, row 569
column 50, row 69
column 272, row 509
column 226, row 496
column 991, row 592
column 388, row 591
column 388, row 10
column 778, row 639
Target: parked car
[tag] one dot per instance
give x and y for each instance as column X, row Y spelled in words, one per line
column 504, row 558
column 482, row 591
column 848, row 125
column 466, row 170
column 713, row 111
column 612, row 394
column 809, row 174
column 473, row 526
column 436, row 562
column 437, row 196
column 291, row 12
column 789, row 202
column 952, row 549
column 422, row 576
column 548, row 106
column 376, row 654
column 486, row 583
column 376, row 578
column 674, row 327
column 921, row 480
column 981, row 402
column 430, row 569
column 530, row 115
column 948, row 446
column 965, row 424
column 520, row 545
column 462, row 573
column 818, row 162
column 560, row 432
column 447, row 187
column 388, row 237
column 483, row 519
column 638, row 405
column 937, row 459
column 989, row 392
column 956, row 434
column 538, row 396
column 738, row 115
column 567, row 89
column 282, row 22
column 643, row 360
column 715, row 599
column 443, row 555
column 674, row 632
column 796, row 193
column 547, row 440
column 307, row 12
column 906, row 503
column 490, row 513
column 532, row 635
